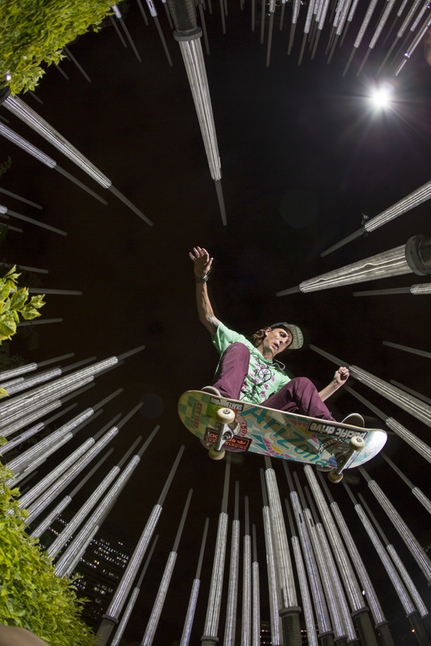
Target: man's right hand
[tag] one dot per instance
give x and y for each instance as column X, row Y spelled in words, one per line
column 202, row 262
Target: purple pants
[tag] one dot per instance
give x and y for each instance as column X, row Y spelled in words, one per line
column 300, row 395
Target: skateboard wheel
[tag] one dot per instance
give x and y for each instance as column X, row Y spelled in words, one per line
column 225, row 415
column 335, row 477
column 357, row 443
column 216, row 455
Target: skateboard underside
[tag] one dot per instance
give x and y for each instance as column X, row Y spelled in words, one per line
column 277, row 434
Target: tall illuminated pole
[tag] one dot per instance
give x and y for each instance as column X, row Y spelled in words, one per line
column 348, row 576
column 414, row 44
column 410, row 438
column 412, row 10
column 246, row 580
column 413, row 257
column 191, row 609
column 110, row 619
column 324, row 627
column 377, row 32
column 156, row 611
column 212, row 618
column 423, row 499
column 65, row 502
column 393, row 575
column 273, row 587
column 366, row 21
column 309, row 619
column 33, row 120
column 188, row 36
column 290, row 610
column 415, row 290
column 380, row 621
column 403, row 571
column 5, row 212
column 419, row 196
column 232, row 598
column 133, row 598
column 72, row 526
column 412, row 544
column 153, row 13
column 38, row 154
column 405, row 401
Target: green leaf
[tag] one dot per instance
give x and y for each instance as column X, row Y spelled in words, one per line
column 7, row 326
column 37, row 301
column 19, row 298
column 28, row 313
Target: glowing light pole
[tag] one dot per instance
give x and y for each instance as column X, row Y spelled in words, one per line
column 5, row 212
column 232, row 599
column 311, row 564
column 399, row 524
column 156, row 611
column 188, row 36
column 212, row 618
column 393, row 575
column 153, row 13
column 362, row 29
column 422, row 194
column 34, row 121
column 416, row 290
column 44, row 159
column 348, row 576
column 191, row 609
column 290, row 610
column 380, row 621
column 274, row 589
column 133, row 598
column 413, row 257
column 110, row 619
column 414, row 44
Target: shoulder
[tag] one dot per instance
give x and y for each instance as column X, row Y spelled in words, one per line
column 224, row 336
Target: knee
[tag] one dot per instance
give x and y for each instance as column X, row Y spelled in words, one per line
column 238, row 350
column 302, row 383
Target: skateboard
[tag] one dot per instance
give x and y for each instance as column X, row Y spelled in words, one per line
column 230, row 425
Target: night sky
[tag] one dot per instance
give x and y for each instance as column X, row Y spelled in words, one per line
column 304, row 155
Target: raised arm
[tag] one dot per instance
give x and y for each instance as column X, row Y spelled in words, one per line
column 340, row 377
column 202, row 263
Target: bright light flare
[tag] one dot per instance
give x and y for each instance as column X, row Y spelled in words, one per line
column 381, row 96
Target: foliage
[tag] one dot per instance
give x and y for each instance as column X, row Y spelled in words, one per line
column 13, row 304
column 31, row 595
column 4, row 166
column 34, row 32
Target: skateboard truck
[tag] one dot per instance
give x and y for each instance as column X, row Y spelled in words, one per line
column 227, row 427
column 357, row 443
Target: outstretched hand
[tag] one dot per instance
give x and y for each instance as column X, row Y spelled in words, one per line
column 202, row 262
column 341, row 375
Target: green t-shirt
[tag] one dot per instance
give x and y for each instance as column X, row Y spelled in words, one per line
column 265, row 377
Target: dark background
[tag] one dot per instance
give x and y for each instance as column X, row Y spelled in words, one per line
column 303, row 156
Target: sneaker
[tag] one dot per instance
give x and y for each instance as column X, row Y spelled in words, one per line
column 354, row 419
column 211, row 390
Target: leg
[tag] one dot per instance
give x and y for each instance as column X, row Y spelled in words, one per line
column 233, row 370
column 299, row 396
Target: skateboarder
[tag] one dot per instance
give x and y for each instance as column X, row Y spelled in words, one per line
column 248, row 370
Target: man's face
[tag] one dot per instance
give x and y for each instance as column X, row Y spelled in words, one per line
column 275, row 341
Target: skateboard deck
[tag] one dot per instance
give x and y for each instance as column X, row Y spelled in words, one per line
column 279, row 434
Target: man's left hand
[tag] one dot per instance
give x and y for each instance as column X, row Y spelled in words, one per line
column 341, row 375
